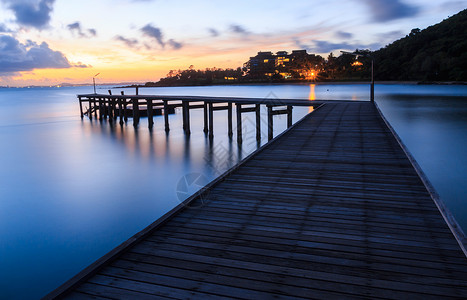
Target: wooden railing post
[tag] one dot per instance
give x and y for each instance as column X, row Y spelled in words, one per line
column 211, row 120
column 289, row 116
column 270, row 123
column 205, row 111
column 258, row 122
column 166, row 116
column 229, row 118
column 150, row 113
column 239, row 122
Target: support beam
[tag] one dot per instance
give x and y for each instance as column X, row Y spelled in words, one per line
column 81, row 108
column 258, row 122
column 90, row 109
column 289, row 116
column 110, row 109
column 166, row 116
column 205, row 111
column 135, row 112
column 95, row 107
column 150, row 113
column 101, row 109
column 186, row 116
column 270, row 123
column 229, row 118
column 120, row 110
column 125, row 105
column 211, row 120
column 239, row 122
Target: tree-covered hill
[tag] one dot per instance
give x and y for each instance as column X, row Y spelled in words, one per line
column 437, row 53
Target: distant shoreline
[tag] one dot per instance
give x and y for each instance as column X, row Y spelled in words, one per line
column 305, row 83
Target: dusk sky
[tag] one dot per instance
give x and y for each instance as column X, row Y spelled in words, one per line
column 47, row 42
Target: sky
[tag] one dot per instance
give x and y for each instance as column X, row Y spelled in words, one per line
column 49, row 42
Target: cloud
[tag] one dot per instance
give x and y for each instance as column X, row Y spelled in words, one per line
column 213, row 32
column 4, row 29
column 317, row 46
column 388, row 10
column 131, row 43
column 154, row 33
column 76, row 28
column 17, row 57
column 31, row 13
column 92, row 31
column 175, row 45
column 81, row 65
column 238, row 29
column 344, row 35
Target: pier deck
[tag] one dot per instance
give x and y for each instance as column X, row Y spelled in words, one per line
column 333, row 208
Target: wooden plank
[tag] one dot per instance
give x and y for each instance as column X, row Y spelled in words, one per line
column 331, row 208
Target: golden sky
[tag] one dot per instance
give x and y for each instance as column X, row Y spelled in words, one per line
column 48, row 42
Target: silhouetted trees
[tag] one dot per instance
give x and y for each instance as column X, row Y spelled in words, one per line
column 437, row 53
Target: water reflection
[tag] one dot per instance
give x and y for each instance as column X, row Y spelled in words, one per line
column 72, row 190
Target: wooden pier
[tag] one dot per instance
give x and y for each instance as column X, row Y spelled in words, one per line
column 120, row 107
column 332, row 208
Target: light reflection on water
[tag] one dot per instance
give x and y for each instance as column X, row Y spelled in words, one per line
column 72, row 190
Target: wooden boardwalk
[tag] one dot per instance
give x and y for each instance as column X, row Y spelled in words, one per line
column 333, row 208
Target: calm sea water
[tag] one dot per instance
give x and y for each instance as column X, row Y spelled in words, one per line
column 72, row 190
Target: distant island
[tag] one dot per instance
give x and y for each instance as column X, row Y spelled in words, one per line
column 437, row 53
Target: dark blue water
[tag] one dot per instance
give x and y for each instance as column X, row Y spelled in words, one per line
column 72, row 190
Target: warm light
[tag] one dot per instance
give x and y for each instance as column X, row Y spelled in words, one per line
column 357, row 63
column 312, row 95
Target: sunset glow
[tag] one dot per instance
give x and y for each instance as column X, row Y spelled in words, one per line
column 139, row 41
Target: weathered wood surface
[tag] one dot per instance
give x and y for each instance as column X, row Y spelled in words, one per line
column 331, row 209
column 240, row 100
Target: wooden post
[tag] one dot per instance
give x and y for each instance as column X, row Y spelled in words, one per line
column 90, row 109
column 188, row 131
column 239, row 122
column 125, row 111
column 289, row 116
column 110, row 110
column 211, row 120
column 229, row 117
column 101, row 109
column 270, row 123
column 120, row 110
column 150, row 119
column 114, row 107
column 81, row 108
column 183, row 116
column 166, row 116
column 135, row 112
column 95, row 106
column 137, row 90
column 110, row 92
column 258, row 122
column 205, row 107
column 186, row 116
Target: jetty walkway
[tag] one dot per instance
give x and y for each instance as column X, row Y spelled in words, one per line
column 332, row 208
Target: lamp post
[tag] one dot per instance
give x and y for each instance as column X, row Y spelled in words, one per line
column 94, row 82
column 372, row 87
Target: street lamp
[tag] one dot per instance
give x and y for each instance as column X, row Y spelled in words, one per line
column 94, row 82
column 372, row 89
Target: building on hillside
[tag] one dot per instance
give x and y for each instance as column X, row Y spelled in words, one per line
column 298, row 65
